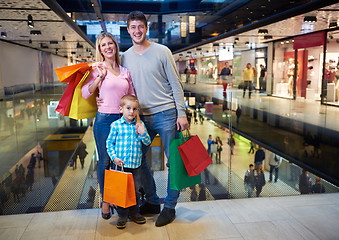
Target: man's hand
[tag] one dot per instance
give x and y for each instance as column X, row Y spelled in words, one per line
column 99, row 101
column 182, row 123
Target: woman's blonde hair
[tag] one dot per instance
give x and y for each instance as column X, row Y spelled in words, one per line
column 98, row 56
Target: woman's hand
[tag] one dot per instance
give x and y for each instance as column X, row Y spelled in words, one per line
column 102, row 71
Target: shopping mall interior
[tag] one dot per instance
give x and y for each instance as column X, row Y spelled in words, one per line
column 291, row 113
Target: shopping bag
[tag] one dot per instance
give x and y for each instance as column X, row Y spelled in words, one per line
column 214, row 148
column 83, row 107
column 194, row 155
column 65, row 101
column 119, row 188
column 68, row 73
column 179, row 178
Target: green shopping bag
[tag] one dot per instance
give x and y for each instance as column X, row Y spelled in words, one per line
column 179, row 178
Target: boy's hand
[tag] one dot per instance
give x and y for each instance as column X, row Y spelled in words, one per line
column 118, row 161
column 140, row 128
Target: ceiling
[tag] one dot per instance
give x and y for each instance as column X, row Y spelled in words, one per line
column 68, row 27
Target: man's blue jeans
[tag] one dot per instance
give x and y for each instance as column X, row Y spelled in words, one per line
column 164, row 124
column 101, row 129
column 276, row 173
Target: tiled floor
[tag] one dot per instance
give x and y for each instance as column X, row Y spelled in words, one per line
column 295, row 217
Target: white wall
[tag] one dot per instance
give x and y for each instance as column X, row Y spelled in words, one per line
column 20, row 65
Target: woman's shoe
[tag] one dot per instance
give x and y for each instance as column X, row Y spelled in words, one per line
column 106, row 215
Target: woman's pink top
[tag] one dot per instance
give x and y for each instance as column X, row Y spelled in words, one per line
column 112, row 88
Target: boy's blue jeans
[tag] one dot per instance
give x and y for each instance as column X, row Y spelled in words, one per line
column 101, row 129
column 164, row 124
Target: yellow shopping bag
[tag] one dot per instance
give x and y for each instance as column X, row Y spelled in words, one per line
column 81, row 107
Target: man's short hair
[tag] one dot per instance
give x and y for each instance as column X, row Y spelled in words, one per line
column 128, row 97
column 136, row 15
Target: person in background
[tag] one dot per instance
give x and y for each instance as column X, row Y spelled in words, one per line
column 225, row 74
column 259, row 180
column 318, row 187
column 262, row 78
column 274, row 165
column 248, row 76
column 238, row 114
column 249, row 180
column 305, row 182
column 210, row 141
column 252, row 147
column 219, row 149
column 112, row 81
column 259, row 157
column 124, row 146
column 231, row 142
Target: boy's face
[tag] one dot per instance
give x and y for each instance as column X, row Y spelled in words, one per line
column 129, row 110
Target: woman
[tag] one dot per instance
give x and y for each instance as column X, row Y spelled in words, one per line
column 259, row 180
column 112, row 81
column 219, row 149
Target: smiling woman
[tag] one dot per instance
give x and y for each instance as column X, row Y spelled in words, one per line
column 112, row 81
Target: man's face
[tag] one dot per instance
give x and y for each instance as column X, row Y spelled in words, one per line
column 137, row 30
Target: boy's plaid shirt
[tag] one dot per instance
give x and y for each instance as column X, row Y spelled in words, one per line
column 123, row 142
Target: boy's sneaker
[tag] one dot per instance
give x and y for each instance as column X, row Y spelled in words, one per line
column 148, row 208
column 121, row 224
column 137, row 218
column 166, row 216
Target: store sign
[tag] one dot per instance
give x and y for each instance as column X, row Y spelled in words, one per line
column 309, row 40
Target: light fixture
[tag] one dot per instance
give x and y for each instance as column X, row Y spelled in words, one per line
column 191, row 24
column 183, row 29
column 30, row 22
column 247, row 43
column 53, row 42
column 199, row 49
column 268, row 37
column 63, row 38
column 236, row 39
column 310, row 19
column 56, row 50
column 333, row 24
column 35, row 32
column 30, row 41
column 79, row 45
column 3, row 34
column 263, row 31
column 215, row 44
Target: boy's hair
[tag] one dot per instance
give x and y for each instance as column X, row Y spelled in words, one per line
column 128, row 97
column 136, row 15
column 251, row 165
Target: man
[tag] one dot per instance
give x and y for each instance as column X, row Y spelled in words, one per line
column 249, row 180
column 157, row 85
column 262, row 78
column 259, row 157
column 274, row 165
column 225, row 74
column 248, row 76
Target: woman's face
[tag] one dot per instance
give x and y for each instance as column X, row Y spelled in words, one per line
column 107, row 48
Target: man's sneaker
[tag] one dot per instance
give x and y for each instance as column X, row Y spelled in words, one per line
column 121, row 224
column 137, row 218
column 148, row 208
column 166, row 216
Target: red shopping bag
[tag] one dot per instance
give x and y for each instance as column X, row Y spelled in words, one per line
column 72, row 74
column 119, row 188
column 194, row 156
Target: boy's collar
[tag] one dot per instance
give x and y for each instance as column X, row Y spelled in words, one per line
column 134, row 120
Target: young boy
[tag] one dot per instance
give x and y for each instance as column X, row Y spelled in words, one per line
column 124, row 145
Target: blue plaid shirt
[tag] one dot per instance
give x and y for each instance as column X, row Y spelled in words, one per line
column 125, row 143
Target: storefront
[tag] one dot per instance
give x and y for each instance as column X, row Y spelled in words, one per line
column 301, row 71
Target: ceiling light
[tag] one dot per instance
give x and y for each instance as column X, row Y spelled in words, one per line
column 53, row 42
column 79, row 45
column 263, row 31
column 310, row 19
column 63, row 38
column 30, row 41
column 333, row 24
column 236, row 39
column 3, row 34
column 73, row 53
column 43, row 46
column 35, row 32
column 198, row 49
column 268, row 37
column 215, row 44
column 247, row 43
column 30, row 22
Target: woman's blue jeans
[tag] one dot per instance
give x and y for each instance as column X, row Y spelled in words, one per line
column 164, row 124
column 101, row 129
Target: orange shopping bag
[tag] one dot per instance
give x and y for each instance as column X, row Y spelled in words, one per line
column 119, row 188
column 67, row 73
